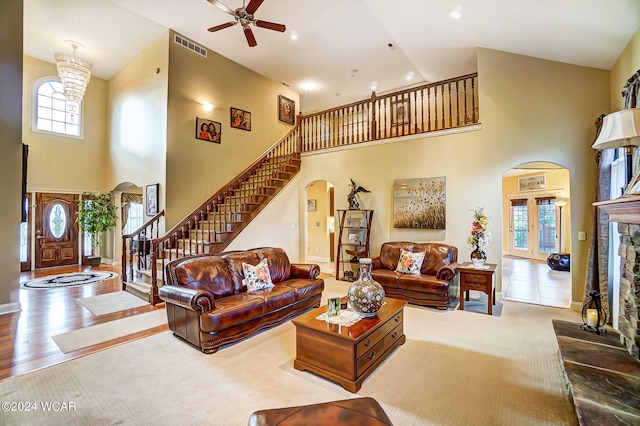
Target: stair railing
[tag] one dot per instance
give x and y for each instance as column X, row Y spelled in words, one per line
column 222, row 211
column 136, row 246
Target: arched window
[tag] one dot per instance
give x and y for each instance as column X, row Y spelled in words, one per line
column 53, row 113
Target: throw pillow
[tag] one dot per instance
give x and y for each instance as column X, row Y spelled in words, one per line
column 410, row 263
column 257, row 277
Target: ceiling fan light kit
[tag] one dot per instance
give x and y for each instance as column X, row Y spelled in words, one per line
column 244, row 16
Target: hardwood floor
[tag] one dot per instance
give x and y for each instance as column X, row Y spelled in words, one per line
column 25, row 339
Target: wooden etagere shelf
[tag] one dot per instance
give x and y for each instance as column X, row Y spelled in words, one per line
column 353, row 241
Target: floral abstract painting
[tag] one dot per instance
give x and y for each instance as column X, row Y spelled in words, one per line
column 419, row 203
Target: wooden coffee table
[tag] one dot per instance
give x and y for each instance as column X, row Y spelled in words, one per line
column 348, row 355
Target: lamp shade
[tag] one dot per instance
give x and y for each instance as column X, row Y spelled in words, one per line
column 619, row 129
column 559, row 202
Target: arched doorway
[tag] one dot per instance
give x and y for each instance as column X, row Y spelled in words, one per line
column 319, row 233
column 536, row 224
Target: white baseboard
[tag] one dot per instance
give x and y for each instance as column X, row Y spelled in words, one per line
column 9, row 308
column 318, row 259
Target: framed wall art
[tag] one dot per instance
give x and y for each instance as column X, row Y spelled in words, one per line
column 399, row 112
column 208, row 130
column 286, row 110
column 311, row 205
column 419, row 203
column 151, row 199
column 531, row 183
column 240, row 119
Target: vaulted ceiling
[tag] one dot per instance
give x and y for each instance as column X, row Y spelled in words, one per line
column 343, row 47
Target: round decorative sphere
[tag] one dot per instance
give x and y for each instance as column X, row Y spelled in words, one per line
column 365, row 295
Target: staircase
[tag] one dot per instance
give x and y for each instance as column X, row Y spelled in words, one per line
column 213, row 225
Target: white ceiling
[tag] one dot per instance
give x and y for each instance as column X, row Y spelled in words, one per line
column 343, row 44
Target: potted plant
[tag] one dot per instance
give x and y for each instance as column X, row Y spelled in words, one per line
column 96, row 215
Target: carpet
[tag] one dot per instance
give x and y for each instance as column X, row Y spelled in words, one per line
column 456, row 368
column 100, row 333
column 67, row 280
column 108, row 303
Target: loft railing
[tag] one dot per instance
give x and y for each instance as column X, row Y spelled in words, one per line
column 435, row 106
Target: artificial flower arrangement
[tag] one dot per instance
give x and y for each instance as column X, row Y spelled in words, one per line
column 479, row 237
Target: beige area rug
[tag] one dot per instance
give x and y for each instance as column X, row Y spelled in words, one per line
column 109, row 303
column 456, row 368
column 100, row 333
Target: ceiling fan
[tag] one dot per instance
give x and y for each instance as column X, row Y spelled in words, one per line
column 244, row 16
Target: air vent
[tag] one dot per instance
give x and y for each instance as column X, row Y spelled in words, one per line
column 188, row 44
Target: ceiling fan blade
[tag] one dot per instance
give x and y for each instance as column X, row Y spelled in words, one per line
column 250, row 38
column 221, row 6
column 270, row 25
column 253, row 6
column 222, row 26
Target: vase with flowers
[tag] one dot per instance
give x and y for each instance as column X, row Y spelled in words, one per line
column 480, row 237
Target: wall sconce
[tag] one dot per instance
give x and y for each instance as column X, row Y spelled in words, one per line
column 207, row 106
column 620, row 130
column 593, row 317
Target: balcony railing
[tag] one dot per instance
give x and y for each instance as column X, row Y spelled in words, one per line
column 436, row 106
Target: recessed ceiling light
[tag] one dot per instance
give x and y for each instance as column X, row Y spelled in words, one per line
column 308, row 86
column 410, row 75
column 456, row 13
column 294, row 35
column 374, row 85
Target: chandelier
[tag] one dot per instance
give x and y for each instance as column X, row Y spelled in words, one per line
column 74, row 72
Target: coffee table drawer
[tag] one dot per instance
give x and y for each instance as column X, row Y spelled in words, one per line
column 391, row 338
column 369, row 357
column 378, row 335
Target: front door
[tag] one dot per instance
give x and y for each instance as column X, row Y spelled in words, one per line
column 56, row 242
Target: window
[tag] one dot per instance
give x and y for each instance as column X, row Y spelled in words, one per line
column 53, row 113
column 134, row 219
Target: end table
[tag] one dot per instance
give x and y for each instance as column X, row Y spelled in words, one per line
column 477, row 279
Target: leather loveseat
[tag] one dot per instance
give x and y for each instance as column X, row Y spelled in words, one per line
column 208, row 304
column 435, row 285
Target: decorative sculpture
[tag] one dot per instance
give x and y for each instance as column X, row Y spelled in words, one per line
column 352, row 198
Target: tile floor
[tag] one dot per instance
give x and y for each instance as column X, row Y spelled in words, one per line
column 524, row 280
column 532, row 281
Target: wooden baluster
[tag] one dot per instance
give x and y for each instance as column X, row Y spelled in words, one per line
column 450, row 119
column 422, row 110
column 474, row 119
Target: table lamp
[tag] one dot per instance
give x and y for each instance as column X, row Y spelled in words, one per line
column 621, row 129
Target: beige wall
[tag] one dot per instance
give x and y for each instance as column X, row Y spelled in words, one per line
column 196, row 169
column 10, row 151
column 138, row 119
column 60, row 163
column 626, row 65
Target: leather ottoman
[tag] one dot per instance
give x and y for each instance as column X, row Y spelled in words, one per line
column 356, row 412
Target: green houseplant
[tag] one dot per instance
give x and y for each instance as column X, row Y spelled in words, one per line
column 96, row 215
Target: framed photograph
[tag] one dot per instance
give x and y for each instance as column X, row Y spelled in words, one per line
column 240, row 119
column 333, row 306
column 286, row 110
column 356, row 237
column 311, row 205
column 208, row 130
column 151, row 199
column 400, row 112
column 634, row 186
column 420, row 203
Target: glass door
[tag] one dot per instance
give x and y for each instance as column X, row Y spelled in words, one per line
column 532, row 229
column 519, row 228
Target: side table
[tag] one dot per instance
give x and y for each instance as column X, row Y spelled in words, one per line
column 478, row 279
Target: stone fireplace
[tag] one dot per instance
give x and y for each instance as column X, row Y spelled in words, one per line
column 626, row 211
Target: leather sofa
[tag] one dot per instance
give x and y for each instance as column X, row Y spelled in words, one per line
column 436, row 285
column 208, row 304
